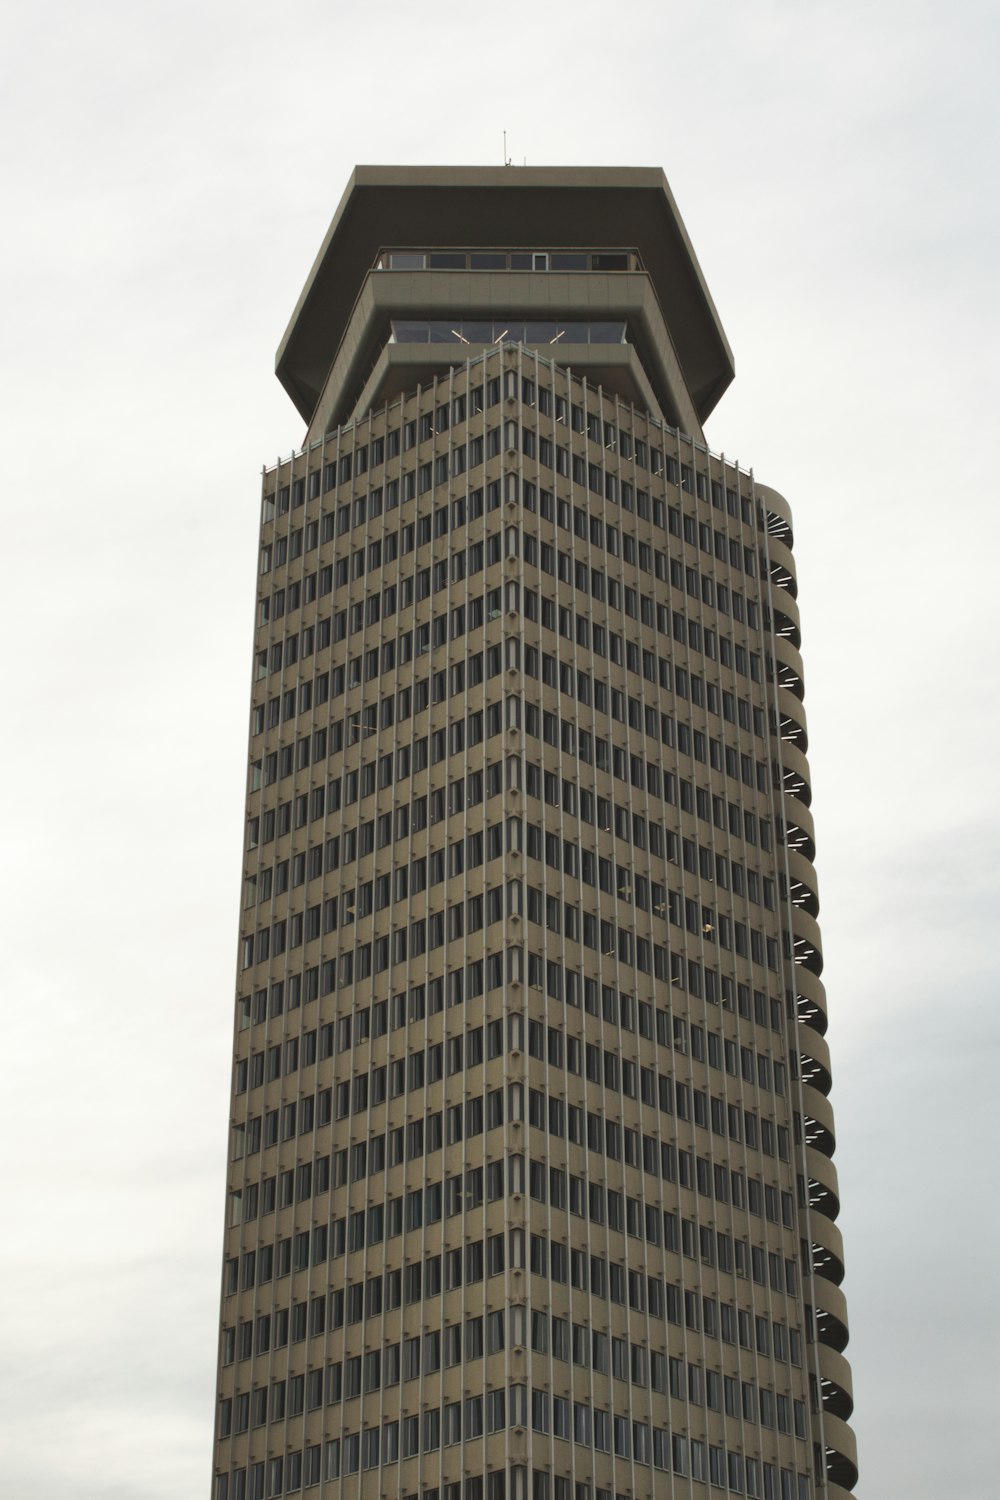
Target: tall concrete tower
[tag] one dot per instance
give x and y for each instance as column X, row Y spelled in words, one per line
column 530, row 1184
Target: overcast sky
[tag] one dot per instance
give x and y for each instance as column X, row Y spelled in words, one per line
column 169, row 170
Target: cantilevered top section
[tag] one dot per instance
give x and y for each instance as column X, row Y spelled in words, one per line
column 535, row 207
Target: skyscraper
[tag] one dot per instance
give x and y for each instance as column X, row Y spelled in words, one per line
column 530, row 1189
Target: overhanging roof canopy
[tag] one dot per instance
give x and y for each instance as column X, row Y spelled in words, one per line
column 538, row 207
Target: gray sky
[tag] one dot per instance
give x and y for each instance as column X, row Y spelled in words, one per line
column 168, row 172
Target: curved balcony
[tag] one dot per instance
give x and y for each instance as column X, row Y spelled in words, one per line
column 783, row 568
column 778, row 527
column 827, row 1249
column 792, row 719
column 831, row 1314
column 802, row 882
column 791, row 673
column 814, row 1060
column 817, row 1125
column 811, row 1000
column 836, row 1492
column 841, row 1451
column 824, row 1187
column 777, row 511
column 796, row 815
column 807, row 945
column 785, row 614
column 803, row 897
column 799, row 828
column 795, row 773
column 836, row 1384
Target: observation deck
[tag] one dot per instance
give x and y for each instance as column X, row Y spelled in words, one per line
column 547, row 250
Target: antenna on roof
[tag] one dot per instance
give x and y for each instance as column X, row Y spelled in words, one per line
column 506, row 159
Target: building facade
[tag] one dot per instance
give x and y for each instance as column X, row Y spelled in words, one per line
column 530, row 1190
